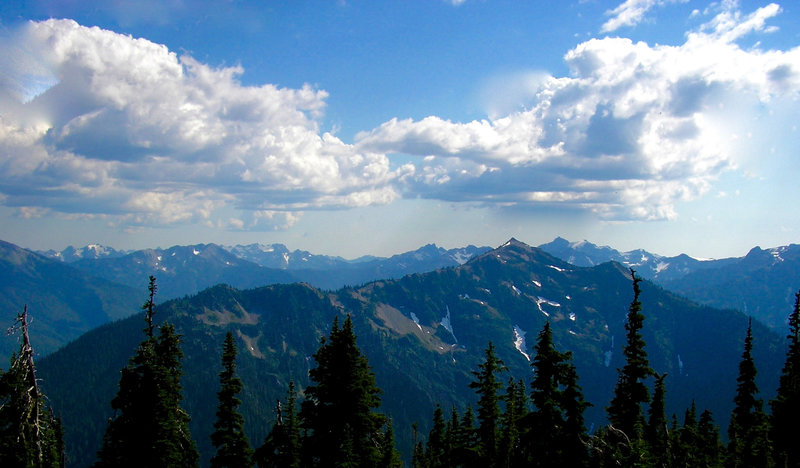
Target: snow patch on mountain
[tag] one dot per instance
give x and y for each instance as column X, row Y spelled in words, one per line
column 609, row 354
column 461, row 257
column 540, row 300
column 776, row 253
column 447, row 324
column 415, row 319
column 519, row 341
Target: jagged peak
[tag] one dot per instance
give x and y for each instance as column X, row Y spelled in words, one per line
column 513, row 242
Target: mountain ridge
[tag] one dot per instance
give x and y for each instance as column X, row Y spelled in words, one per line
column 65, row 302
column 424, row 334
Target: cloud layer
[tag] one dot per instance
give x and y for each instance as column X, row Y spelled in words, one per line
column 98, row 124
column 634, row 130
column 130, row 129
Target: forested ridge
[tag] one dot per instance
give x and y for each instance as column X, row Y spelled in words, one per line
column 337, row 422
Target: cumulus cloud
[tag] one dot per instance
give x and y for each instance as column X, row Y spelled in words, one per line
column 635, row 129
column 98, row 124
column 103, row 124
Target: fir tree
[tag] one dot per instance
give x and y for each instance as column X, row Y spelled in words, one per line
column 625, row 409
column 281, row 448
column 341, row 426
column 436, row 450
column 418, row 457
column 686, row 452
column 150, row 428
column 30, row 436
column 515, row 398
column 451, row 434
column 466, row 442
column 552, row 432
column 572, row 445
column 709, row 447
column 390, row 457
column 487, row 386
column 786, row 405
column 656, row 434
column 748, row 444
column 233, row 448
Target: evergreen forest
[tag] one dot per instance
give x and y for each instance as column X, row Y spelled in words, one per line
column 337, row 419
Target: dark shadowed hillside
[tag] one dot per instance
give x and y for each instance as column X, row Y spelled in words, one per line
column 63, row 302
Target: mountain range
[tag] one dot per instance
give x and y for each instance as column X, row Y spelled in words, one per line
column 102, row 281
column 188, row 269
column 761, row 284
column 74, row 290
column 423, row 335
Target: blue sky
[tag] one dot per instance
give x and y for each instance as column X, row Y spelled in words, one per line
column 375, row 127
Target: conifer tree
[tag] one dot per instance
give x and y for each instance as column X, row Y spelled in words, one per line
column 466, row 442
column 656, row 434
column 748, row 441
column 487, row 385
column 709, row 447
column 338, row 413
column 281, row 448
column 390, row 457
column 572, row 444
column 451, row 433
column 515, row 398
column 786, row 405
column 552, row 432
column 686, row 451
column 625, row 409
column 150, row 428
column 436, row 450
column 233, row 448
column 30, row 436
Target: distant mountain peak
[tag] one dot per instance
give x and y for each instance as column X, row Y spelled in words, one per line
column 91, row 251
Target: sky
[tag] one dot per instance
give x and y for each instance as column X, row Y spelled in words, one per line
column 374, row 127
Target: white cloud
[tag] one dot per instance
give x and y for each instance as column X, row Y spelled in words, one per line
column 132, row 130
column 631, row 13
column 634, row 129
column 98, row 124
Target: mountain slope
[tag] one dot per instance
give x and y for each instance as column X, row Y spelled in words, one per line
column 63, row 302
column 423, row 335
column 761, row 284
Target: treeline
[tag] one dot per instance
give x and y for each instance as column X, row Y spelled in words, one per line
column 335, row 421
column 543, row 425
